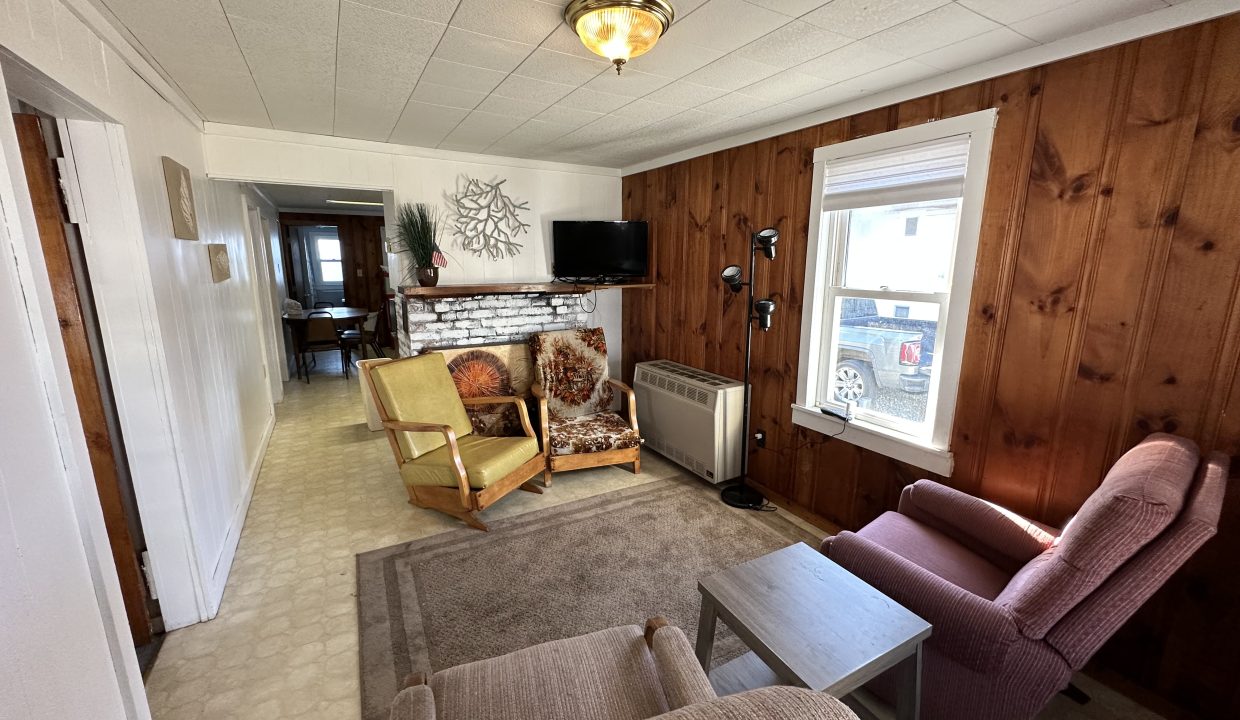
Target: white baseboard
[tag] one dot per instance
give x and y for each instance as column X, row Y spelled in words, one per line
column 219, row 574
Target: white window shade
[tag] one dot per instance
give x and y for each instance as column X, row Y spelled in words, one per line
column 927, row 171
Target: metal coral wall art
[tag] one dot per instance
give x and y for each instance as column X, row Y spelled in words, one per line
column 485, row 219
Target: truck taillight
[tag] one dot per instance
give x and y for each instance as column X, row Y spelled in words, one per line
column 910, row 352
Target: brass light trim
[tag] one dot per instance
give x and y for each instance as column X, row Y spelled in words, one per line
column 659, row 10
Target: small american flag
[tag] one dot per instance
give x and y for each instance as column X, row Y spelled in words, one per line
column 438, row 260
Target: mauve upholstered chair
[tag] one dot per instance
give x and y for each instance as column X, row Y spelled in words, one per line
column 623, row 673
column 1018, row 606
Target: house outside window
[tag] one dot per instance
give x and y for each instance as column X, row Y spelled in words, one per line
column 894, row 228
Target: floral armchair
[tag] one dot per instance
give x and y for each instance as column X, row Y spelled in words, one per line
column 575, row 395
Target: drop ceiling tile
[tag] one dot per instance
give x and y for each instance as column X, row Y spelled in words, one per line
column 892, row 76
column 685, row 94
column 465, row 77
column 792, row 44
column 448, row 95
column 524, row 21
column 937, row 28
column 643, row 112
column 365, row 114
column 735, row 105
column 426, row 125
column 1081, row 16
column 553, row 66
column 784, row 86
column 727, row 24
column 629, row 83
column 731, row 72
column 524, row 88
column 572, row 117
column 605, row 129
column 379, row 50
column 791, row 8
column 848, row 62
column 592, row 100
column 996, row 43
column 1007, row 12
column 316, row 17
column 480, row 128
column 674, row 57
column 523, row 109
column 470, row 48
column 435, row 10
column 538, row 132
column 297, row 79
column 861, row 18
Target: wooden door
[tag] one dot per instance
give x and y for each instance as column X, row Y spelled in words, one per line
column 84, row 370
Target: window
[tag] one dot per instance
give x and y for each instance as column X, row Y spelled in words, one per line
column 327, row 253
column 893, row 238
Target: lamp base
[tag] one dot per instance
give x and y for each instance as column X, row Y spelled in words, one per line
column 740, row 495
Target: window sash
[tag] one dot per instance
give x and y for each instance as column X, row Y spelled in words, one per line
column 933, row 454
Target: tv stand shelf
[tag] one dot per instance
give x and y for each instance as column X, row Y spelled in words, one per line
column 554, row 288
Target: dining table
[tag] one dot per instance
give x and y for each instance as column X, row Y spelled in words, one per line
column 342, row 317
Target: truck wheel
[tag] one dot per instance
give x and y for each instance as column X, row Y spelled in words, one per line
column 854, row 381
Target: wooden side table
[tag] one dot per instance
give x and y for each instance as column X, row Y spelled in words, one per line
column 812, row 623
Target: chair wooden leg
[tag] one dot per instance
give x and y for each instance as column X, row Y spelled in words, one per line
column 637, row 465
column 547, row 477
column 471, row 519
column 531, row 487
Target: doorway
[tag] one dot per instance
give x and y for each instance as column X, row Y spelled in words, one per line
column 69, row 278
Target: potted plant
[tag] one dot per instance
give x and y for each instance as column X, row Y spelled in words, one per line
column 417, row 235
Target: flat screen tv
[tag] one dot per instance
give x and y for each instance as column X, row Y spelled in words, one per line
column 599, row 250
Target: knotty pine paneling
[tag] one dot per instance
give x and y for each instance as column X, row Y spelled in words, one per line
column 1106, row 306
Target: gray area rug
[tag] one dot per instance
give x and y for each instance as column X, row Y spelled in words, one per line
column 614, row 559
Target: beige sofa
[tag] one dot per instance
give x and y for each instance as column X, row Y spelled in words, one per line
column 624, row 673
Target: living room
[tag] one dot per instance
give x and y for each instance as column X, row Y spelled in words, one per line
column 839, row 390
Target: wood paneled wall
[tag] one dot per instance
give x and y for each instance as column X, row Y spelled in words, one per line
column 361, row 248
column 1105, row 307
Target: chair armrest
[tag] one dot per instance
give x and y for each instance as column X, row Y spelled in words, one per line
column 769, row 703
column 544, row 426
column 631, row 401
column 681, row 675
column 1000, row 535
column 522, row 411
column 462, row 477
column 973, row 631
column 413, row 703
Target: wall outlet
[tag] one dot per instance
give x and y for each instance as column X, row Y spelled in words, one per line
column 759, row 438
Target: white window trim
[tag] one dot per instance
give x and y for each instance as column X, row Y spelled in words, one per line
column 935, row 454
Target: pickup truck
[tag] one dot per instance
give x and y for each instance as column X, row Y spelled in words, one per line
column 876, row 351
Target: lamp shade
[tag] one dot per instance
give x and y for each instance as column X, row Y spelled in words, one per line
column 765, row 309
column 731, row 277
column 619, row 30
column 766, row 240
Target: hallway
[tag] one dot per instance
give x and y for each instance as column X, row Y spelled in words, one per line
column 285, row 642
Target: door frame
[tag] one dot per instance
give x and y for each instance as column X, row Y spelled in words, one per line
column 271, row 337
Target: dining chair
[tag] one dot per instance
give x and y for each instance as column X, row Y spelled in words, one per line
column 320, row 335
column 364, row 337
column 324, row 304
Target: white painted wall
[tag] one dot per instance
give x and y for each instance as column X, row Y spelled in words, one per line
column 187, row 353
column 554, row 191
column 65, row 650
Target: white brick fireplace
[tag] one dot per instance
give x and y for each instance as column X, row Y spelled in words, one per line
column 482, row 318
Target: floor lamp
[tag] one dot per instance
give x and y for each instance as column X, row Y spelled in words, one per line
column 740, row 494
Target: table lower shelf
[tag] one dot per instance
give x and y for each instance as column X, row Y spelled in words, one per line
column 748, row 672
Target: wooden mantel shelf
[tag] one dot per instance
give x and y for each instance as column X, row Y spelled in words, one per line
column 446, row 291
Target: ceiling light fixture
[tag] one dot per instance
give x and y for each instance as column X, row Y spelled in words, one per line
column 619, row 30
column 353, row 202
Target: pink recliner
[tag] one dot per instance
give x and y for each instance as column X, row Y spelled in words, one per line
column 1018, row 606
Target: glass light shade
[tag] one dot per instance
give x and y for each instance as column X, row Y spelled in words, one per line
column 619, row 30
column 619, row 33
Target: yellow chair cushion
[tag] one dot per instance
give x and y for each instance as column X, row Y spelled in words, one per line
column 420, row 389
column 487, row 460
